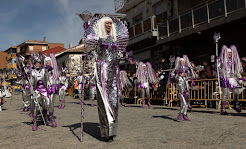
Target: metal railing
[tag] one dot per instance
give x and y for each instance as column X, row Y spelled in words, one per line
column 199, row 15
column 204, row 90
column 142, row 27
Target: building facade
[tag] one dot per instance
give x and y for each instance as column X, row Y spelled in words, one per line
column 3, row 65
column 178, row 27
column 11, row 66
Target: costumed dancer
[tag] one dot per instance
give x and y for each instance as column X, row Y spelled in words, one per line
column 182, row 88
column 124, row 82
column 39, row 78
column 183, row 64
column 107, row 37
column 2, row 94
column 51, row 66
column 81, row 81
column 146, row 75
column 230, row 69
column 63, row 86
column 23, row 76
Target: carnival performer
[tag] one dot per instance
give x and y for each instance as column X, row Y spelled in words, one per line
column 107, row 37
column 39, row 78
column 124, row 82
column 230, row 69
column 182, row 88
column 63, row 86
column 51, row 67
column 183, row 64
column 80, row 78
column 2, row 94
column 25, row 87
column 146, row 75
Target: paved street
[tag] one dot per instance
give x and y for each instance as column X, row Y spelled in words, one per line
column 138, row 128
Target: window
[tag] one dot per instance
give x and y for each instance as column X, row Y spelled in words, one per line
column 13, row 50
column 30, row 48
column 43, row 48
column 137, row 19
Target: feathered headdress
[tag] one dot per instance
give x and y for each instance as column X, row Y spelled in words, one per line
column 151, row 76
column 37, row 58
column 237, row 68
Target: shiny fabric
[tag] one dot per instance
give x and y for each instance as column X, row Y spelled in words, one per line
column 63, row 85
column 40, row 80
column 235, row 91
column 107, row 89
column 182, row 93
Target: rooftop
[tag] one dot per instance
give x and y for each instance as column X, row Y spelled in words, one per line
column 54, row 50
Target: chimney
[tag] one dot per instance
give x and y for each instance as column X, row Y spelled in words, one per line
column 44, row 39
column 70, row 45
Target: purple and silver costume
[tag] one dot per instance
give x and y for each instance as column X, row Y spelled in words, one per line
column 146, row 75
column 81, row 81
column 230, row 69
column 25, row 87
column 184, row 66
column 63, row 85
column 39, row 78
column 107, row 50
column 93, row 88
column 53, row 78
column 124, row 82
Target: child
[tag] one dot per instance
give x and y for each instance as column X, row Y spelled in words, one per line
column 182, row 90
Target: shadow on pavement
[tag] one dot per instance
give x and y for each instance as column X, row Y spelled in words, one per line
column 168, row 108
column 203, row 111
column 166, row 117
column 89, row 128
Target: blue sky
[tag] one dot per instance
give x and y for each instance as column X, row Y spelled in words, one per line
column 22, row 20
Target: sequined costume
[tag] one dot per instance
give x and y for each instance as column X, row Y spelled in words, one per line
column 81, row 81
column 146, row 75
column 2, row 94
column 51, row 67
column 182, row 88
column 39, row 78
column 230, row 69
column 63, row 86
column 183, row 64
column 92, row 87
column 25, row 87
column 124, row 82
column 107, row 47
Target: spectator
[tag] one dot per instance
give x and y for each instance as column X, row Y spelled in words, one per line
column 207, row 73
column 195, row 69
column 244, row 68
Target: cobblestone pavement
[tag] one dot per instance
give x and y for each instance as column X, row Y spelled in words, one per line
column 138, row 128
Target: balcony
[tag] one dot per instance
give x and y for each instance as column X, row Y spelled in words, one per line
column 121, row 6
column 11, row 66
column 11, row 56
column 200, row 15
column 12, row 76
column 147, row 27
